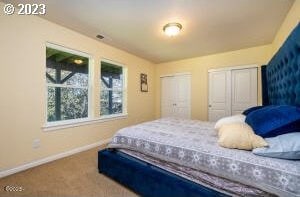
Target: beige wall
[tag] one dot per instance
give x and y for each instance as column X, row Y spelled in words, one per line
column 291, row 20
column 199, row 67
column 22, row 85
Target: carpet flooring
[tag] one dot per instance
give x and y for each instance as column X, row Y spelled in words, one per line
column 74, row 176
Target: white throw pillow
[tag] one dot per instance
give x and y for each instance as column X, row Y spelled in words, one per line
column 239, row 118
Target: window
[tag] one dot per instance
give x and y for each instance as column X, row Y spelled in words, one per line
column 112, row 89
column 67, row 74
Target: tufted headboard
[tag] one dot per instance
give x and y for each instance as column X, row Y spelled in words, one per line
column 281, row 77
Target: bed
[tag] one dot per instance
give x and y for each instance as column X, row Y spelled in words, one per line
column 175, row 157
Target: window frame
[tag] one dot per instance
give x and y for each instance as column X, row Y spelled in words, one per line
column 123, row 90
column 93, row 93
column 89, row 87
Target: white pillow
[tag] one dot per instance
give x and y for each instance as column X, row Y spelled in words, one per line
column 239, row 118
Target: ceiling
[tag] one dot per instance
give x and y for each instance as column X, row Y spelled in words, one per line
column 209, row 26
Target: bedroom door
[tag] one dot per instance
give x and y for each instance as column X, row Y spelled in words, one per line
column 231, row 91
column 176, row 96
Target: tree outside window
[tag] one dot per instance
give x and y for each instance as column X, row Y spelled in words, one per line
column 112, row 89
column 67, row 77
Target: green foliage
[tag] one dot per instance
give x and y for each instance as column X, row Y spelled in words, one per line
column 74, row 103
column 71, row 101
column 68, row 87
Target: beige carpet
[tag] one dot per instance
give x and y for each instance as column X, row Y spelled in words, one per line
column 74, row 176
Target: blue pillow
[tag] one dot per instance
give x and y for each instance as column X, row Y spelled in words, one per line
column 271, row 121
column 285, row 146
column 251, row 109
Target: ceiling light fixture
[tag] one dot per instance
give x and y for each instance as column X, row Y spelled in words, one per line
column 100, row 36
column 172, row 29
column 78, row 61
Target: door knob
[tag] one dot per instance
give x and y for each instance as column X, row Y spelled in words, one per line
column 209, row 105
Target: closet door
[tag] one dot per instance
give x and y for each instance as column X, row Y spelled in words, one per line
column 176, row 96
column 168, row 96
column 219, row 95
column 182, row 96
column 244, row 89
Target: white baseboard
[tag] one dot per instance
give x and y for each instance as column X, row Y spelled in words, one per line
column 51, row 158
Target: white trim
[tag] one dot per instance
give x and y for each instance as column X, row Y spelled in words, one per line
column 66, row 86
column 234, row 68
column 89, row 87
column 52, row 158
column 112, row 117
column 113, row 89
column 123, row 89
column 175, row 74
column 117, row 63
column 57, row 125
column 125, row 95
column 67, row 49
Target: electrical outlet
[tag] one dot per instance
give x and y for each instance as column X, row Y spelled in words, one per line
column 36, row 143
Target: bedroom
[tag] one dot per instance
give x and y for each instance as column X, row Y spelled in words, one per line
column 53, row 156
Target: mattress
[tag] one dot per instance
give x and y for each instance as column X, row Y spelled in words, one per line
column 210, row 181
column 193, row 144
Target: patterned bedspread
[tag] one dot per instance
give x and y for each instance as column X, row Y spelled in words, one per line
column 194, row 144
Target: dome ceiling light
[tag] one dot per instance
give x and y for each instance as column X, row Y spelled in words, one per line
column 172, row 29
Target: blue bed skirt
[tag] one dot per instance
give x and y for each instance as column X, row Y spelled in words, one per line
column 148, row 180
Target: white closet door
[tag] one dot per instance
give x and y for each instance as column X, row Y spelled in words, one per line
column 168, row 96
column 183, row 96
column 244, row 89
column 176, row 96
column 219, row 95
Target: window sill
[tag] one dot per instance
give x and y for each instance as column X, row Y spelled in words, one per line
column 80, row 122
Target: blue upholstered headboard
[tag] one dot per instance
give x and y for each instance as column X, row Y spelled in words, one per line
column 281, row 77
